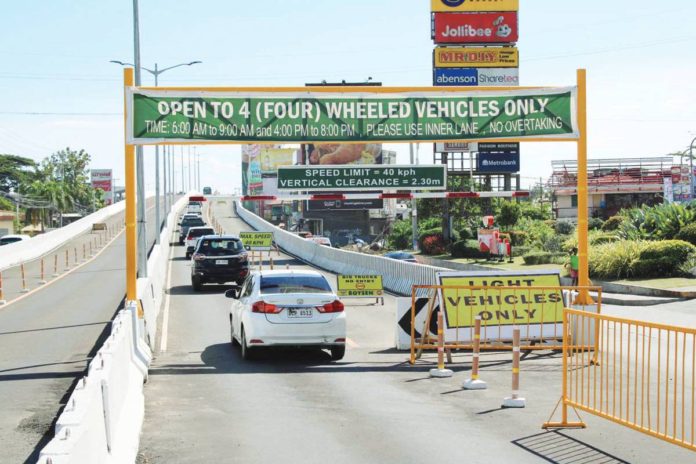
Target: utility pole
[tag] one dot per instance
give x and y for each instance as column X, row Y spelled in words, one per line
column 414, row 209
column 183, row 184
column 140, row 164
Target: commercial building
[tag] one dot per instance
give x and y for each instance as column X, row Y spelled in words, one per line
column 616, row 183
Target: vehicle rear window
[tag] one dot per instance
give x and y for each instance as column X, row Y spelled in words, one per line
column 294, row 284
column 220, row 247
column 194, row 222
column 5, row 241
column 201, row 232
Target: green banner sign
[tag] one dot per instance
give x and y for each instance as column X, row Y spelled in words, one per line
column 365, row 177
column 365, row 116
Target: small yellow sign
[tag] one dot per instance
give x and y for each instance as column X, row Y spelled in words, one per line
column 521, row 305
column 257, row 241
column 474, row 5
column 360, row 286
column 476, row 57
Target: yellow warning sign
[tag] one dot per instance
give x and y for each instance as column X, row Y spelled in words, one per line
column 524, row 304
column 257, row 241
column 360, row 285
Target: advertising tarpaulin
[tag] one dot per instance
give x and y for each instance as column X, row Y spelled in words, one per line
column 361, row 116
column 498, row 157
column 476, row 57
column 456, row 147
column 345, row 153
column 271, row 158
column 474, row 5
column 538, row 311
column 102, row 179
column 486, row 77
column 466, row 28
column 345, row 205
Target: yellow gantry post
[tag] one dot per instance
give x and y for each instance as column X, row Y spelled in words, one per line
column 131, row 232
column 583, row 297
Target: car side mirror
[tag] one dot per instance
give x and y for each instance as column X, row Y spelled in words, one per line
column 233, row 292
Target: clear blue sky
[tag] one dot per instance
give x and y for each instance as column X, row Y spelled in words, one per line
column 640, row 56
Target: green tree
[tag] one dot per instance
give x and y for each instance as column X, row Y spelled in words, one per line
column 14, row 170
column 509, row 214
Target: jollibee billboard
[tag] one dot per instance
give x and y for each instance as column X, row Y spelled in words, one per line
column 501, row 27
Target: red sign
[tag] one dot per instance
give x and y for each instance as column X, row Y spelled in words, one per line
column 470, row 28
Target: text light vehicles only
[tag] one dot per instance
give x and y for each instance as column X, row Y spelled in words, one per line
column 285, row 308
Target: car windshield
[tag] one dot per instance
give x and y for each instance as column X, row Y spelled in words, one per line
column 201, row 232
column 5, row 241
column 294, row 284
column 220, row 247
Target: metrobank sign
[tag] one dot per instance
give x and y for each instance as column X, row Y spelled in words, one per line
column 429, row 114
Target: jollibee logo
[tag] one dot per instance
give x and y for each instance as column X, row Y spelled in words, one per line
column 503, row 29
column 453, row 3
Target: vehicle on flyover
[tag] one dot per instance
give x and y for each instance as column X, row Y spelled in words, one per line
column 285, row 308
column 218, row 259
column 207, row 191
column 186, row 223
column 12, row 238
column 194, row 233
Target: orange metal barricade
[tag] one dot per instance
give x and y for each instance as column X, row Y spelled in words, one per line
column 642, row 375
column 530, row 308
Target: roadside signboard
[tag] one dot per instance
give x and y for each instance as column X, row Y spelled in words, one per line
column 474, row 5
column 476, row 57
column 498, row 157
column 345, row 205
column 538, row 311
column 474, row 28
column 257, row 241
column 367, row 286
column 103, row 179
column 440, row 114
column 486, row 77
column 382, row 177
column 456, row 147
column 271, row 158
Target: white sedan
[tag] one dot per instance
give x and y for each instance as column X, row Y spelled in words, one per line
column 287, row 308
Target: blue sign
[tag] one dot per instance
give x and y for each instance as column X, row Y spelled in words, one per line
column 453, row 3
column 455, row 76
column 498, row 157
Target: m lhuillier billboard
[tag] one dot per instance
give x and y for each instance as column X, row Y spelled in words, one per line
column 474, row 28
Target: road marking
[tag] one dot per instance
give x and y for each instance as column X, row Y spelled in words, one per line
column 351, row 343
column 167, row 297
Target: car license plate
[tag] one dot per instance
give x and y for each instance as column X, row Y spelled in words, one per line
column 296, row 313
column 222, row 261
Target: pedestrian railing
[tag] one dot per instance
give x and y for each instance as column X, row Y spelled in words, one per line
column 638, row 374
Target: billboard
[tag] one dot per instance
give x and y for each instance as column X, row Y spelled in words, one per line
column 270, row 158
column 250, row 158
column 498, row 157
column 489, row 77
column 344, row 153
column 476, row 57
column 456, row 147
column 339, row 178
column 474, row 28
column 103, row 179
column 474, row 5
column 344, row 205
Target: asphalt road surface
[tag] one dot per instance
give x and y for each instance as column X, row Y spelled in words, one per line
column 205, row 404
column 47, row 340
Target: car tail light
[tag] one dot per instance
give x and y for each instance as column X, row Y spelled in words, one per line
column 334, row 307
column 243, row 258
column 198, row 257
column 263, row 307
column 243, row 272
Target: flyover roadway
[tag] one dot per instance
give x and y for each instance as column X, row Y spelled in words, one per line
column 203, row 403
column 48, row 337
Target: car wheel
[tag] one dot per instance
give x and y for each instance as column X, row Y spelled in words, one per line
column 196, row 284
column 247, row 352
column 188, row 255
column 233, row 340
column 337, row 352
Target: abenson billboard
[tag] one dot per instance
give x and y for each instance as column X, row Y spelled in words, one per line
column 489, row 77
column 475, row 27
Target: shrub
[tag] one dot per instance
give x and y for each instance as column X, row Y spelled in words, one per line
column 537, row 231
column 430, row 223
column 553, row 244
column 433, row 245
column 613, row 223
column 520, row 250
column 543, row 257
column 595, row 224
column 687, row 233
column 400, row 236
column 518, row 237
column 538, row 211
column 688, row 267
column 659, row 222
column 662, row 259
column 564, row 227
column 614, row 260
column 424, row 234
column 465, row 234
column 467, row 249
column 509, row 214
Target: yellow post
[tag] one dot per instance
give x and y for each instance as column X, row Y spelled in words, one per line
column 131, row 233
column 583, row 297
